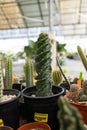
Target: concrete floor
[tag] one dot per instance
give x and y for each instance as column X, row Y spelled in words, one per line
column 73, row 67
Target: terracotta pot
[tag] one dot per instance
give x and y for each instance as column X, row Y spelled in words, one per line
column 6, row 128
column 35, row 126
column 81, row 107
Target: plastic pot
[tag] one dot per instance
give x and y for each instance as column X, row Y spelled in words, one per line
column 6, row 128
column 42, row 109
column 9, row 110
column 82, row 108
column 35, row 126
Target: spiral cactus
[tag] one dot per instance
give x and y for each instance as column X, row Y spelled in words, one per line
column 82, row 56
column 8, row 73
column 56, row 76
column 28, row 70
column 43, row 66
column 69, row 116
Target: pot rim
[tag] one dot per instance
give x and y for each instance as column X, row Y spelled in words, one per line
column 37, row 97
column 72, row 102
column 16, row 92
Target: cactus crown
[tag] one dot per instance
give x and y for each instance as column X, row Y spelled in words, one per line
column 69, row 116
column 28, row 70
column 43, row 66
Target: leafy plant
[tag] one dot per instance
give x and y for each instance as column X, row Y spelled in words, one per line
column 30, row 50
column 60, row 47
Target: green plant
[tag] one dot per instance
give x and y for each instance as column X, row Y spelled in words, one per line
column 74, row 88
column 56, row 76
column 60, row 47
column 1, row 83
column 28, row 71
column 82, row 56
column 30, row 50
column 69, row 116
column 83, row 91
column 8, row 72
column 43, row 66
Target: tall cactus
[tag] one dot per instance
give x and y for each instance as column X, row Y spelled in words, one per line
column 69, row 116
column 8, row 73
column 56, row 76
column 82, row 56
column 28, row 70
column 43, row 66
column 1, row 83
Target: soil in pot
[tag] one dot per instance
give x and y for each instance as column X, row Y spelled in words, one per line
column 42, row 109
column 35, row 126
column 9, row 110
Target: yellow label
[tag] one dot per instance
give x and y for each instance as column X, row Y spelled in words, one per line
column 41, row 117
column 1, row 122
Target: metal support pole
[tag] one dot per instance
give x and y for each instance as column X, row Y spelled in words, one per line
column 50, row 15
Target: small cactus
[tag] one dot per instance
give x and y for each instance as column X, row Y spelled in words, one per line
column 83, row 97
column 56, row 76
column 85, row 87
column 83, row 91
column 69, row 116
column 74, row 88
column 28, row 71
column 8, row 73
column 82, row 56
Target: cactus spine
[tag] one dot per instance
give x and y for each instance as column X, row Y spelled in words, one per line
column 8, row 73
column 43, row 66
column 56, row 76
column 82, row 56
column 28, row 70
column 69, row 116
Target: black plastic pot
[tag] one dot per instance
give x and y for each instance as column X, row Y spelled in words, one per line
column 9, row 110
column 42, row 109
column 17, row 86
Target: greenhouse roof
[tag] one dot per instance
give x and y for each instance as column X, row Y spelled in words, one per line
column 69, row 17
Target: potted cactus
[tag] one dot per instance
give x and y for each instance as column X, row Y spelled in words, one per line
column 41, row 100
column 9, row 100
column 69, row 116
column 78, row 98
